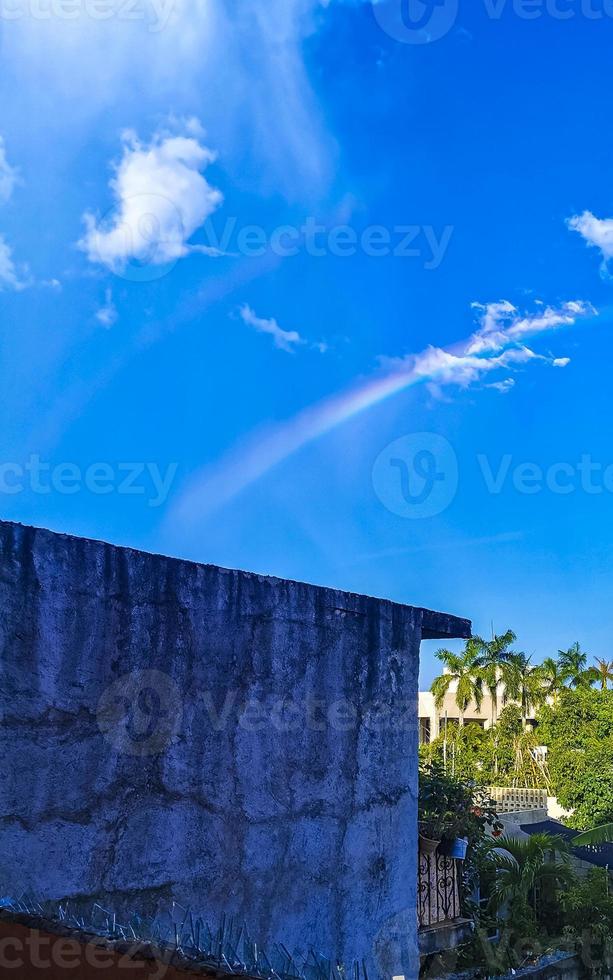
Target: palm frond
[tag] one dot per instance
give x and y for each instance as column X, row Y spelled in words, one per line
column 591, row 838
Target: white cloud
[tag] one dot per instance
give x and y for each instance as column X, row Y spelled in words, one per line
column 501, row 323
column 10, row 278
column 597, row 232
column 161, row 199
column 286, row 340
column 495, row 346
column 455, row 366
column 107, row 314
column 503, row 386
column 9, row 176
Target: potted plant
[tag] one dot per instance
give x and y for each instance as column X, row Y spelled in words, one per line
column 431, row 830
column 452, row 813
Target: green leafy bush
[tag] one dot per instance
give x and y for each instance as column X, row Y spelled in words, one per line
column 578, row 732
column 451, row 807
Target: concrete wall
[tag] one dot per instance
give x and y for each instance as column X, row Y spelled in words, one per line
column 147, row 755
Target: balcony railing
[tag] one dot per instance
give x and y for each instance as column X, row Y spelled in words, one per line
column 438, row 890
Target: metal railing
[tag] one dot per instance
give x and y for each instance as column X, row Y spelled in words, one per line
column 438, row 890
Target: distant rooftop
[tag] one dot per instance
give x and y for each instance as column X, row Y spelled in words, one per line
column 600, row 855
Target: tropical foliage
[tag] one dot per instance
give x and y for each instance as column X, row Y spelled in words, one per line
column 451, row 807
column 603, row 672
column 492, row 667
column 524, row 891
column 504, row 755
column 592, row 838
column 526, row 876
column 588, row 911
column 578, row 733
column 462, row 671
column 570, row 702
column 531, row 896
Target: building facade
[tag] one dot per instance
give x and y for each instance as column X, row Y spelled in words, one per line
column 432, row 720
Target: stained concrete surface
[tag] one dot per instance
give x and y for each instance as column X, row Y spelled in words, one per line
column 240, row 744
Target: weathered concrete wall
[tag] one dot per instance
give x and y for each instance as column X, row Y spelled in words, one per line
column 148, row 755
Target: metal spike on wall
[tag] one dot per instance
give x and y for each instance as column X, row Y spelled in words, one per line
column 228, row 948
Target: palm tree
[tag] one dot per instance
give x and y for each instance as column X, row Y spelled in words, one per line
column 604, row 672
column 523, row 683
column 573, row 667
column 493, row 665
column 551, row 680
column 522, row 868
column 461, row 671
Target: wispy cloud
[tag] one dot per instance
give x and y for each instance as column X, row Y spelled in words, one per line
column 9, row 276
column 160, row 199
column 286, row 340
column 107, row 314
column 214, row 486
column 504, row 387
column 597, row 233
column 9, row 176
column 496, row 346
column 505, row 537
column 249, row 59
column 502, row 324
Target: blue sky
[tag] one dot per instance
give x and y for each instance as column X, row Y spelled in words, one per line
column 415, row 257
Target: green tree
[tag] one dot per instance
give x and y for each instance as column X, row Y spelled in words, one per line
column 578, row 732
column 523, row 683
column 515, row 751
column 461, row 671
column 552, row 681
column 493, row 665
column 526, row 875
column 604, row 672
column 588, row 914
column 468, row 752
column 573, row 667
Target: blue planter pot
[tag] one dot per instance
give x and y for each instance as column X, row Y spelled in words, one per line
column 459, row 848
column 456, row 848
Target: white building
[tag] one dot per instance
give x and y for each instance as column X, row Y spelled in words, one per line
column 432, row 720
